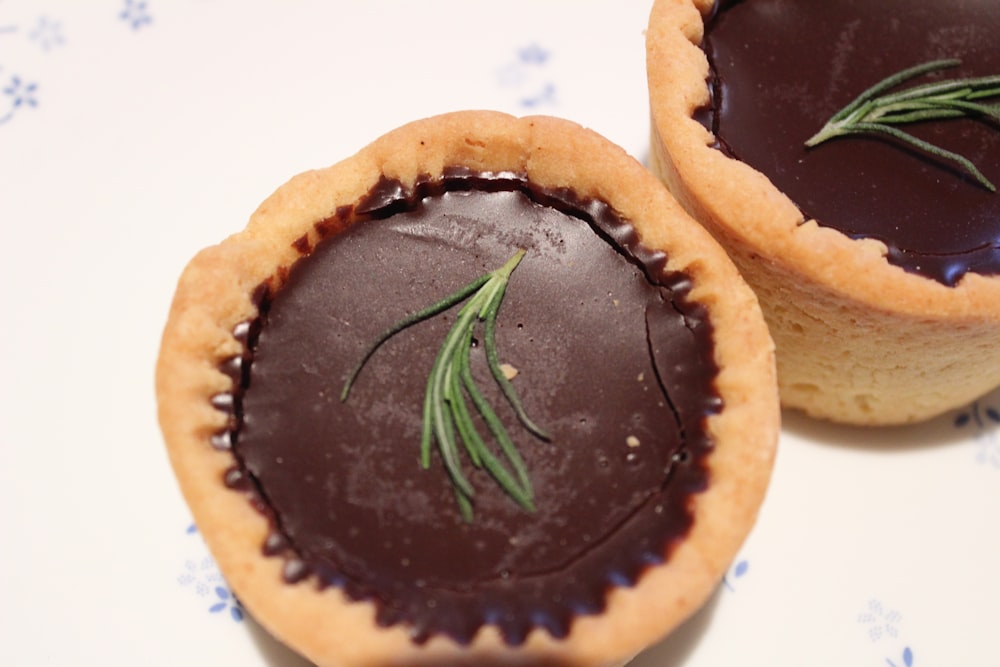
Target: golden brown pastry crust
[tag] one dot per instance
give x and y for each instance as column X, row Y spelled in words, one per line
column 858, row 340
column 214, row 294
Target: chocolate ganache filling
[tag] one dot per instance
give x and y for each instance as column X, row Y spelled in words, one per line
column 781, row 69
column 611, row 358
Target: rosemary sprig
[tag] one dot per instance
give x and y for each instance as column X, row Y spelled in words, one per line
column 447, row 419
column 876, row 111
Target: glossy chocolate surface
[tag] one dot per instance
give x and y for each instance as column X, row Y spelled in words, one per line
column 783, row 68
column 611, row 359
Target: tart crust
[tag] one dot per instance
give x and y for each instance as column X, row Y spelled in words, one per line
column 215, row 293
column 858, row 340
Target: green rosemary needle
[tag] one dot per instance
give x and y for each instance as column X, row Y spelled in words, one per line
column 877, row 111
column 447, row 418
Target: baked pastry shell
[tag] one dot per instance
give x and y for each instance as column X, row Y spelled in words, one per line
column 858, row 340
column 215, row 293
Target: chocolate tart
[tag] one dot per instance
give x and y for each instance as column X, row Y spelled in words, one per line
column 630, row 339
column 877, row 266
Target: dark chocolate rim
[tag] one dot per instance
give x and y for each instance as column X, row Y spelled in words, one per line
column 621, row 566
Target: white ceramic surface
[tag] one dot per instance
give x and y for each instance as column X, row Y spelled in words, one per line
column 134, row 133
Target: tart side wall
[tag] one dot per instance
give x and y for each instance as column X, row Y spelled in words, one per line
column 846, row 351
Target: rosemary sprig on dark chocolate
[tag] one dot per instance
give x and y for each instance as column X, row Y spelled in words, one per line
column 877, row 111
column 447, row 417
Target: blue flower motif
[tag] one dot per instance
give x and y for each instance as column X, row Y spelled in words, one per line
column 533, row 54
column 135, row 13
column 979, row 415
column 20, row 94
column 203, row 577
column 545, row 94
column 984, row 418
column 907, row 658
column 529, row 77
column 884, row 623
column 881, row 622
column 738, row 571
column 47, row 34
column 227, row 601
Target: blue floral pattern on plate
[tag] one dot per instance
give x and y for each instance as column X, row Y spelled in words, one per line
column 736, row 572
column 17, row 94
column 136, row 14
column 47, row 34
column 20, row 92
column 984, row 419
column 202, row 576
column 528, row 77
column 881, row 623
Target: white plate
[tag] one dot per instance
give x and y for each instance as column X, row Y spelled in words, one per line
column 134, row 133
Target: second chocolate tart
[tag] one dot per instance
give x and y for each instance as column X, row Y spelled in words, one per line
column 877, row 262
